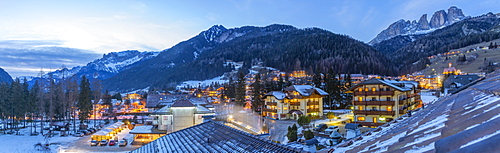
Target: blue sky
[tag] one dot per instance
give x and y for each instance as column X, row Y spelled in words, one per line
column 99, row 26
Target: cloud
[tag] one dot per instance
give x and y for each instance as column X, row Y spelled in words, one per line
column 28, row 61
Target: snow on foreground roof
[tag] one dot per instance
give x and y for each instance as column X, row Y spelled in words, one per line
column 212, row 136
column 464, row 122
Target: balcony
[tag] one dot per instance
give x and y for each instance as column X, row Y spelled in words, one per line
column 373, row 112
column 269, row 110
column 389, row 103
column 313, row 103
column 369, row 123
column 295, row 104
column 313, row 110
column 373, row 93
column 271, row 103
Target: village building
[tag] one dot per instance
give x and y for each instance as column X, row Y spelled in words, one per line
column 378, row 101
column 294, row 101
column 181, row 114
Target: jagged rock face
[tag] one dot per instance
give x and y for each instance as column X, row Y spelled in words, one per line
column 438, row 19
column 423, row 24
column 455, row 14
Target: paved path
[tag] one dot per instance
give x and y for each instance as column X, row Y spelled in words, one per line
column 83, row 145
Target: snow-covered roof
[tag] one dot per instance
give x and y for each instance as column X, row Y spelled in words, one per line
column 182, row 103
column 277, row 94
column 306, row 90
column 212, row 136
column 464, row 122
column 398, row 85
column 201, row 109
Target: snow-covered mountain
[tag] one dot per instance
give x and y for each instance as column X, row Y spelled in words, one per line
column 109, row 65
column 438, row 20
column 5, row 77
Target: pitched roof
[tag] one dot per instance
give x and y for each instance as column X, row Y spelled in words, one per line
column 277, row 94
column 182, row 103
column 212, row 136
column 398, row 85
column 306, row 90
column 464, row 122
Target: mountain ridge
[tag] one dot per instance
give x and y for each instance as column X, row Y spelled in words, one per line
column 438, row 20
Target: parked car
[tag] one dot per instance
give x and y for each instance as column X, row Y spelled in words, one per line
column 78, row 134
column 112, row 142
column 122, row 143
column 104, row 142
column 94, row 143
column 85, row 132
column 320, row 127
column 330, row 129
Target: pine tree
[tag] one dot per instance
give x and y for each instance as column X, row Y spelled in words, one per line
column 106, row 98
column 240, row 89
column 257, row 102
column 84, row 99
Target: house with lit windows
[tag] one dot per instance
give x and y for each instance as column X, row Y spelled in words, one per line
column 294, row 101
column 378, row 101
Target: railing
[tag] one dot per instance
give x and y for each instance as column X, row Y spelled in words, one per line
column 313, row 103
column 373, row 93
column 313, row 110
column 369, row 123
column 391, row 103
column 295, row 104
column 373, row 112
column 269, row 110
column 271, row 103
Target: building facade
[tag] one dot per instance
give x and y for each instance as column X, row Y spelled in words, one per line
column 378, row 101
column 294, row 101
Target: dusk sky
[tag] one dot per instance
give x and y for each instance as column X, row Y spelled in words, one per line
column 99, row 27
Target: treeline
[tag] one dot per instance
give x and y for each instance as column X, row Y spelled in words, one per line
column 49, row 100
column 279, row 46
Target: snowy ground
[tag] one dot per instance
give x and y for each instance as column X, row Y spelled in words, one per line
column 24, row 143
column 11, row 143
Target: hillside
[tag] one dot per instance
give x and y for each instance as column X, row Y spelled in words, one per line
column 475, row 59
column 413, row 56
column 5, row 77
column 279, row 46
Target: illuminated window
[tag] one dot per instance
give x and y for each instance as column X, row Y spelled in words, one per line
column 366, row 89
column 360, row 98
column 360, row 107
column 360, row 89
column 374, row 89
column 389, row 108
column 361, row 118
column 374, row 120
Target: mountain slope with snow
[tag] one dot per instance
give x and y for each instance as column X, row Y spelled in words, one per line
column 109, row 65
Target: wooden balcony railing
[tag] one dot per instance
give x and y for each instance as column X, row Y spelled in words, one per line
column 369, row 123
column 271, row 103
column 373, row 93
column 269, row 110
column 373, row 112
column 391, row 103
column 295, row 104
column 313, row 110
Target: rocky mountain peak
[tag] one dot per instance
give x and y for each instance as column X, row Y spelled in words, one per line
column 213, row 32
column 438, row 20
column 423, row 24
column 455, row 14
